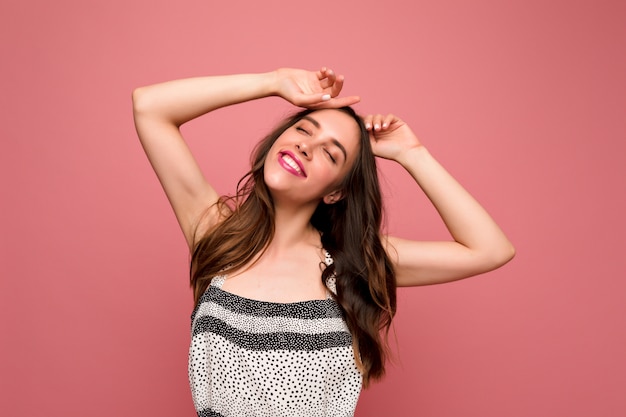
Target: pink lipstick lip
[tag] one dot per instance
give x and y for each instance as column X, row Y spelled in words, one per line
column 289, row 168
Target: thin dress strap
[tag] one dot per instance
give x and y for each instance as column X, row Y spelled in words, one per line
column 330, row 282
column 218, row 281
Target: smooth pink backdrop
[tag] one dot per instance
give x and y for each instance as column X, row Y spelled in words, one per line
column 524, row 102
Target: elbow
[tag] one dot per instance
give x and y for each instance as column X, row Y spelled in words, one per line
column 492, row 258
column 139, row 100
column 509, row 254
column 148, row 106
column 502, row 255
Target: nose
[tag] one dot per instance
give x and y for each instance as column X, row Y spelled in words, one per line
column 303, row 147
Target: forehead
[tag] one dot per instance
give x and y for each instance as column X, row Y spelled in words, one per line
column 338, row 125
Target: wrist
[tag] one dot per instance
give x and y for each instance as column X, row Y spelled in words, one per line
column 271, row 83
column 412, row 156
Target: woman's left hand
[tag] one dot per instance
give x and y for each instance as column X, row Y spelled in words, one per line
column 390, row 136
column 312, row 89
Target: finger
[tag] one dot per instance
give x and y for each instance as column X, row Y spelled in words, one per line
column 336, row 87
column 377, row 122
column 346, row 101
column 388, row 120
column 329, row 80
column 371, row 122
column 367, row 120
column 335, row 103
column 311, row 100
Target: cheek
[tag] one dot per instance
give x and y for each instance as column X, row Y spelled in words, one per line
column 334, row 178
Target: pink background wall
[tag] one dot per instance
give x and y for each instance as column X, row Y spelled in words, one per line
column 523, row 101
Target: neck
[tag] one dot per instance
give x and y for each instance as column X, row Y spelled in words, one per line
column 293, row 228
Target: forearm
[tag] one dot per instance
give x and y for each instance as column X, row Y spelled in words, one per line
column 467, row 221
column 179, row 101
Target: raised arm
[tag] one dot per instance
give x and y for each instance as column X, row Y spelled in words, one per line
column 479, row 245
column 160, row 109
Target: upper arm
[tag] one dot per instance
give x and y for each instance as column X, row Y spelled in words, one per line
column 425, row 263
column 187, row 190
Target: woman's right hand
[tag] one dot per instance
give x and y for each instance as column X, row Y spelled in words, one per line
column 312, row 89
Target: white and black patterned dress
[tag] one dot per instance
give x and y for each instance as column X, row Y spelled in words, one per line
column 257, row 358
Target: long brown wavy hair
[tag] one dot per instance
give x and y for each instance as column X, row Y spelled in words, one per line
column 350, row 232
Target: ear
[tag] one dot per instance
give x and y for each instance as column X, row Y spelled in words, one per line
column 333, row 197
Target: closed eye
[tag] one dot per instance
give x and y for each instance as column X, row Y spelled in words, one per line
column 300, row 129
column 330, row 156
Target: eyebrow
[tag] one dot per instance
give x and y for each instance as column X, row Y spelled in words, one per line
column 333, row 140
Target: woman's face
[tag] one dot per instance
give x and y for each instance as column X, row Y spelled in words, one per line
column 310, row 159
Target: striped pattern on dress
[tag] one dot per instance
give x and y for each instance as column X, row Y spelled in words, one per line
column 257, row 358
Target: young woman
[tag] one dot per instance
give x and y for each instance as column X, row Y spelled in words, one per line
column 292, row 278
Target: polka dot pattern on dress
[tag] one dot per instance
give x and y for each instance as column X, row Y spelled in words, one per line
column 255, row 358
